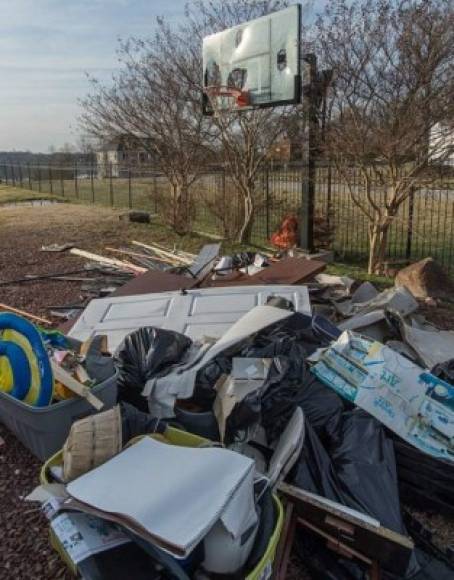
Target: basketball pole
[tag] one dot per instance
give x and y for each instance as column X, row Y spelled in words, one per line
column 306, row 217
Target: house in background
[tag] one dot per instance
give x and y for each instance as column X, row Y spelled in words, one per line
column 121, row 154
column 285, row 151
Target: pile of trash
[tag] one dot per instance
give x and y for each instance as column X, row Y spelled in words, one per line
column 255, row 414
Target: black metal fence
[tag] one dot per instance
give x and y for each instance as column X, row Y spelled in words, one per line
column 423, row 227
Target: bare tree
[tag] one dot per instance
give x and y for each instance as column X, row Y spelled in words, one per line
column 151, row 102
column 393, row 88
column 245, row 137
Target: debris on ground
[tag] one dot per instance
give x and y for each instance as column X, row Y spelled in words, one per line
column 325, row 404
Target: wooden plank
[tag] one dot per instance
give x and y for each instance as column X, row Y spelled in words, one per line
column 26, row 314
column 108, row 261
column 135, row 254
column 81, row 390
column 358, row 532
column 165, row 253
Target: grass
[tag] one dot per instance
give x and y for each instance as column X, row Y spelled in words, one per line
column 432, row 226
column 359, row 272
column 16, row 195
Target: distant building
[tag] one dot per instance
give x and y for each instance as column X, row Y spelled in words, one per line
column 285, row 151
column 442, row 143
column 121, row 154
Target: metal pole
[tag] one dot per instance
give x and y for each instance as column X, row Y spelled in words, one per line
column 92, row 183
column 76, row 184
column 306, row 218
column 51, row 184
column 30, row 185
column 267, row 193
column 62, row 180
column 111, row 185
column 129, row 189
column 155, row 193
column 411, row 207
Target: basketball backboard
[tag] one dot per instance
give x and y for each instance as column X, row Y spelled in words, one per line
column 260, row 59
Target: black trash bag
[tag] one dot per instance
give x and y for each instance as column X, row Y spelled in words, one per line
column 135, row 423
column 314, row 471
column 144, row 354
column 323, row 408
column 424, row 479
column 204, row 392
column 267, row 405
column 359, row 471
column 365, row 464
column 289, row 343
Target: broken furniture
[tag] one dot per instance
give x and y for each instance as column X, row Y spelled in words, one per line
column 347, row 532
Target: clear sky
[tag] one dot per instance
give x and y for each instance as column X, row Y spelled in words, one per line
column 46, row 46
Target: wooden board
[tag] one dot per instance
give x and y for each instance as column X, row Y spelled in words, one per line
column 390, row 549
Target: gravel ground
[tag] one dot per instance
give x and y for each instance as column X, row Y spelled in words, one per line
column 24, row 549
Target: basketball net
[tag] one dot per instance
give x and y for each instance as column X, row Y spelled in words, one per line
column 225, row 99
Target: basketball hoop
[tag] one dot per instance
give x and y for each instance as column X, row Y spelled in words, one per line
column 227, row 98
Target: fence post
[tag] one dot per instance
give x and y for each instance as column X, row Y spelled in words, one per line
column 155, row 193
column 62, row 180
column 76, row 183
column 111, row 195
column 39, row 177
column 20, row 176
column 328, row 196
column 129, row 189
column 267, row 194
column 411, row 207
column 30, row 184
column 92, row 184
column 13, row 175
column 51, row 184
column 306, row 221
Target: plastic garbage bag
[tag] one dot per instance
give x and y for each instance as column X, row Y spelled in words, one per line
column 144, row 354
column 359, row 470
column 135, row 423
column 288, row 343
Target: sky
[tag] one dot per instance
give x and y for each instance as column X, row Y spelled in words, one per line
column 46, row 49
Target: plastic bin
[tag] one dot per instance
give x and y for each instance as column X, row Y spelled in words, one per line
column 43, row 430
column 263, row 570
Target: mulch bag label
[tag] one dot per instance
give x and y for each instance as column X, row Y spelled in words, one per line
column 410, row 401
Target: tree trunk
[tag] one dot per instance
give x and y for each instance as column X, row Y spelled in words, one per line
column 245, row 232
column 181, row 215
column 378, row 241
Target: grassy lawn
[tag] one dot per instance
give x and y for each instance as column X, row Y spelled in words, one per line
column 15, row 195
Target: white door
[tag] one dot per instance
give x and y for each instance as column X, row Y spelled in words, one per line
column 205, row 312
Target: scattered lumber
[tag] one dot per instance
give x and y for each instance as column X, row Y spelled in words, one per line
column 26, row 314
column 75, row 386
column 110, row 261
column 165, row 253
column 135, row 254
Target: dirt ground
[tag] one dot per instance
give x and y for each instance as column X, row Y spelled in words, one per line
column 24, row 550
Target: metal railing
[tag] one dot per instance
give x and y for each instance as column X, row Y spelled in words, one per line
column 424, row 225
